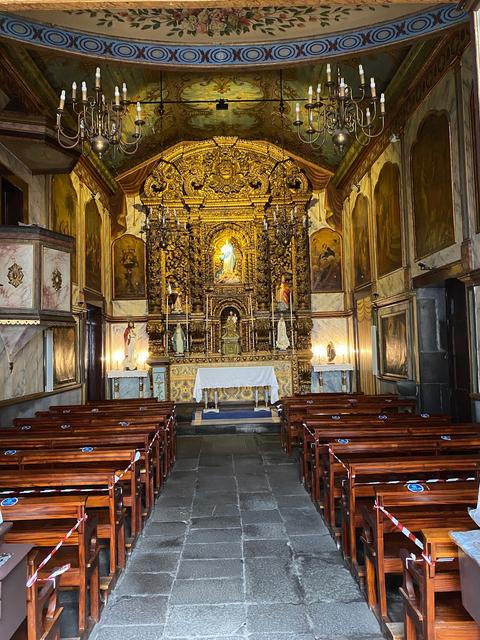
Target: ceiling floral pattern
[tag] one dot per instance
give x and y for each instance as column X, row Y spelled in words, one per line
column 227, row 22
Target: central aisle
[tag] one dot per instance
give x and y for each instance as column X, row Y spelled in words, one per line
column 235, row 549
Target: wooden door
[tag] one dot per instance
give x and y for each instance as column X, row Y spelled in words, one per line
column 458, row 350
column 94, row 352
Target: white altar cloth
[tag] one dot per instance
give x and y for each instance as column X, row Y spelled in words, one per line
column 227, row 377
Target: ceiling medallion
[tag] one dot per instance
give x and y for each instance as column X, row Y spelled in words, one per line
column 99, row 121
column 56, row 280
column 15, row 275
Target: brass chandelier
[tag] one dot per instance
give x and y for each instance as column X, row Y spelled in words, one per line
column 99, row 121
column 340, row 114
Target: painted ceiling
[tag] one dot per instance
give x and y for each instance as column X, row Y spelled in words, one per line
column 258, row 119
column 228, row 25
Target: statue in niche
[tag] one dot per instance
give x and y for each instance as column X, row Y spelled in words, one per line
column 331, row 353
column 283, row 341
column 227, row 273
column 129, row 342
column 174, row 298
column 283, row 295
column 179, row 340
column 230, row 335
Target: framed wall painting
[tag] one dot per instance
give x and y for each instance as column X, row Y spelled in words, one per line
column 129, row 268
column 93, row 247
column 362, row 269
column 64, row 211
column 64, row 348
column 388, row 219
column 432, row 193
column 326, row 261
column 394, row 342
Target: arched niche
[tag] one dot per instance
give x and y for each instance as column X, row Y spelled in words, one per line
column 431, row 170
column 128, row 259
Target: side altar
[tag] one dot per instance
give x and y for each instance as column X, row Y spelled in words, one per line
column 228, row 267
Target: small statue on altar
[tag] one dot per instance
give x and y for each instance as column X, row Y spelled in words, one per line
column 283, row 295
column 179, row 340
column 282, row 342
column 231, row 330
column 331, row 353
column 129, row 342
column 177, row 306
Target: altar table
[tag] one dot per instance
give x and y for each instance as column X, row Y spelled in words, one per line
column 227, row 377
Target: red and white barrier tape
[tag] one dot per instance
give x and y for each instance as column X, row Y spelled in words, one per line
column 34, row 578
column 58, row 572
column 152, row 442
column 136, row 459
column 330, row 450
column 25, row 492
column 430, row 481
column 406, row 532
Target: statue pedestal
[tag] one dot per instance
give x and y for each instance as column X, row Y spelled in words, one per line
column 128, row 384
column 231, row 346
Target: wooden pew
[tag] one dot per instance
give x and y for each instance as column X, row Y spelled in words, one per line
column 431, row 505
column 431, row 593
column 104, row 496
column 43, row 613
column 36, row 520
column 358, row 492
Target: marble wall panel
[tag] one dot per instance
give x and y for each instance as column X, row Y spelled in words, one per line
column 16, row 273
column 56, row 280
column 26, row 377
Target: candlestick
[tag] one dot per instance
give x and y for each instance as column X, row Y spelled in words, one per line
column 84, row 91
column 361, row 74
column 117, row 96
column 367, row 113
column 319, row 92
column 124, row 92
column 139, row 111
column 310, row 94
column 297, row 112
column 62, row 100
column 291, row 319
column 382, row 103
column 97, row 78
column 166, row 327
column 373, row 89
column 273, row 324
column 341, row 88
column 74, row 91
column 186, row 321
column 329, row 73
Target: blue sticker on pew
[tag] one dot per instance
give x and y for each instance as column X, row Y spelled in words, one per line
column 66, row 411
column 415, row 488
column 26, row 427
column 122, row 423
column 86, row 449
column 446, row 437
column 335, row 417
column 94, row 410
column 65, row 426
column 9, row 502
column 424, row 415
column 343, row 440
column 383, row 416
column 10, row 452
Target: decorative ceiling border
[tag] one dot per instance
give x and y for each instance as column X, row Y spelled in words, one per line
column 351, row 42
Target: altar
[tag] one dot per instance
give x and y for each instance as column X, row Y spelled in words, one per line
column 236, row 377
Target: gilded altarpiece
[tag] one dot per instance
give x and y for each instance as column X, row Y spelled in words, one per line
column 220, row 281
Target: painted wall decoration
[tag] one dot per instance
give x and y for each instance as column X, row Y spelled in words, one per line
column 64, row 356
column 326, row 260
column 129, row 267
column 16, row 275
column 432, row 186
column 388, row 219
column 361, row 242
column 93, row 247
column 56, row 284
column 128, row 345
column 64, row 211
column 394, row 344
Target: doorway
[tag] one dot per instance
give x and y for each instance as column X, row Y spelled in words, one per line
column 458, row 350
column 94, row 352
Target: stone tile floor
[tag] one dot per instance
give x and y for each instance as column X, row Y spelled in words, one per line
column 235, row 549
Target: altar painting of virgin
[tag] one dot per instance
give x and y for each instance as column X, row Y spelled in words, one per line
column 227, row 260
column 326, row 261
column 129, row 267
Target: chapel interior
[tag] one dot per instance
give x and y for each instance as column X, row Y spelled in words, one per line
column 239, row 320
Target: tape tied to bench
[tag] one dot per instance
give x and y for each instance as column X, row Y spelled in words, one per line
column 31, row 581
column 330, row 450
column 406, row 532
column 429, row 481
column 135, row 459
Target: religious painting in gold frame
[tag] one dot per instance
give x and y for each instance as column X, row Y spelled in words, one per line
column 326, row 261
column 388, row 219
column 394, row 342
column 227, row 259
column 93, row 247
column 128, row 268
column 362, row 269
column 64, row 211
column 432, row 186
column 64, row 356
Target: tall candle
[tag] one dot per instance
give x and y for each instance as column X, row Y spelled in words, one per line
column 273, row 324
column 62, row 100
column 166, row 328
column 186, row 319
column 74, row 91
column 382, row 103
column 97, row 78
column 329, row 73
column 361, row 73
column 84, row 91
column 291, row 320
column 117, row 96
column 373, row 90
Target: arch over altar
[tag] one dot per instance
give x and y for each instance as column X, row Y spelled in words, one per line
column 227, row 261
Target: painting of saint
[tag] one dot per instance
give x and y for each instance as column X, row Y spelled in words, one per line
column 361, row 242
column 64, row 356
column 326, row 260
column 432, row 186
column 129, row 267
column 394, row 345
column 226, row 264
column 64, row 211
column 387, row 213
column 93, row 247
